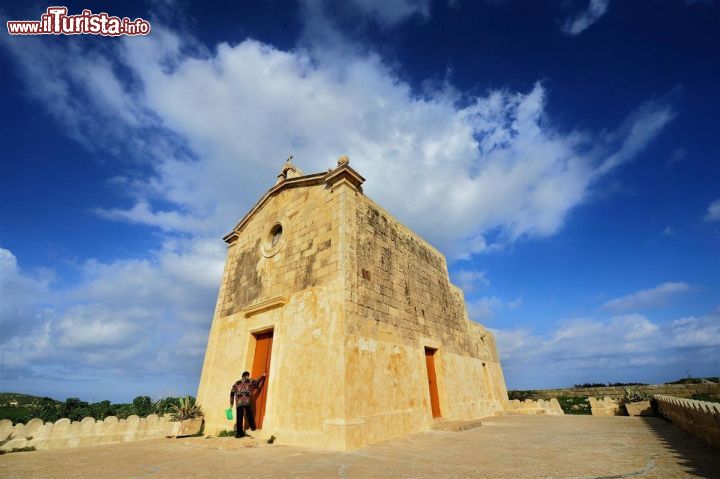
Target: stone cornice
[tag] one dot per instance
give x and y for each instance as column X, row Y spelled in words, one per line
column 271, row 303
column 343, row 174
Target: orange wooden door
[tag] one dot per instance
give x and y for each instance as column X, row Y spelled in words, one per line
column 261, row 364
column 432, row 382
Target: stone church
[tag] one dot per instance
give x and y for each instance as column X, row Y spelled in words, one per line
column 351, row 315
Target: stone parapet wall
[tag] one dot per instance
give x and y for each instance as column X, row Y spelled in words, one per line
column 699, row 418
column 616, row 392
column 88, row 432
column 541, row 406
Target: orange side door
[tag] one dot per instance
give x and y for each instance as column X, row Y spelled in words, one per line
column 261, row 364
column 432, row 381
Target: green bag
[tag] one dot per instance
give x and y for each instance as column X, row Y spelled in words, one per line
column 228, row 413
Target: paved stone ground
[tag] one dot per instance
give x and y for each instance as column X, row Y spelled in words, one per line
column 503, row 447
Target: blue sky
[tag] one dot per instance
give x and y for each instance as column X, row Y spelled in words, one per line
column 563, row 155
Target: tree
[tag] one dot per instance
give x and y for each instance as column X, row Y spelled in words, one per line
column 101, row 410
column 164, row 406
column 75, row 409
column 46, row 409
column 122, row 411
column 142, row 406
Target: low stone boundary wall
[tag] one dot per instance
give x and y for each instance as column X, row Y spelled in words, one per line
column 616, row 392
column 699, row 418
column 88, row 432
column 605, row 407
column 541, row 406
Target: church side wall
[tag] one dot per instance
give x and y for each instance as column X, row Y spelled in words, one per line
column 400, row 301
column 304, row 394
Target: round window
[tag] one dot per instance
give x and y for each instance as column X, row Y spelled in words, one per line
column 275, row 235
column 274, row 240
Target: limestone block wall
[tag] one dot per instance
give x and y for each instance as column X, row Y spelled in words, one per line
column 399, row 301
column 606, row 406
column 403, row 281
column 88, row 432
column 616, row 392
column 699, row 418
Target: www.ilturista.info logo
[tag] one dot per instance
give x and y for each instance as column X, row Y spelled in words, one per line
column 56, row 21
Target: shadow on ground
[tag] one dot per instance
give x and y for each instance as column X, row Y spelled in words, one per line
column 691, row 452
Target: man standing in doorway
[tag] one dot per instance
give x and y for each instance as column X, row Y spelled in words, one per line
column 241, row 394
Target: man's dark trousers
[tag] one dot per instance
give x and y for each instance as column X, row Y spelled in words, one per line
column 241, row 411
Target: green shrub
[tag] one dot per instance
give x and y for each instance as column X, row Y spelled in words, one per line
column 634, row 394
column 187, row 409
column 226, row 433
column 521, row 395
column 165, row 405
column 574, row 405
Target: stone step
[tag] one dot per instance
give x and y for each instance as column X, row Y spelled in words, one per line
column 445, row 425
column 222, row 443
column 522, row 412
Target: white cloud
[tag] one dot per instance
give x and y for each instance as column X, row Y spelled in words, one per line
column 620, row 348
column 22, row 295
column 215, row 126
column 470, row 281
column 94, row 325
column 582, row 20
column 647, row 298
column 124, row 318
column 142, row 213
column 183, row 278
column 485, row 307
column 713, row 211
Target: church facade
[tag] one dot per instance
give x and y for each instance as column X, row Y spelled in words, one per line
column 352, row 317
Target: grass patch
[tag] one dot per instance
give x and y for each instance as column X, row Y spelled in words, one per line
column 226, row 433
column 17, row 414
column 574, row 405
